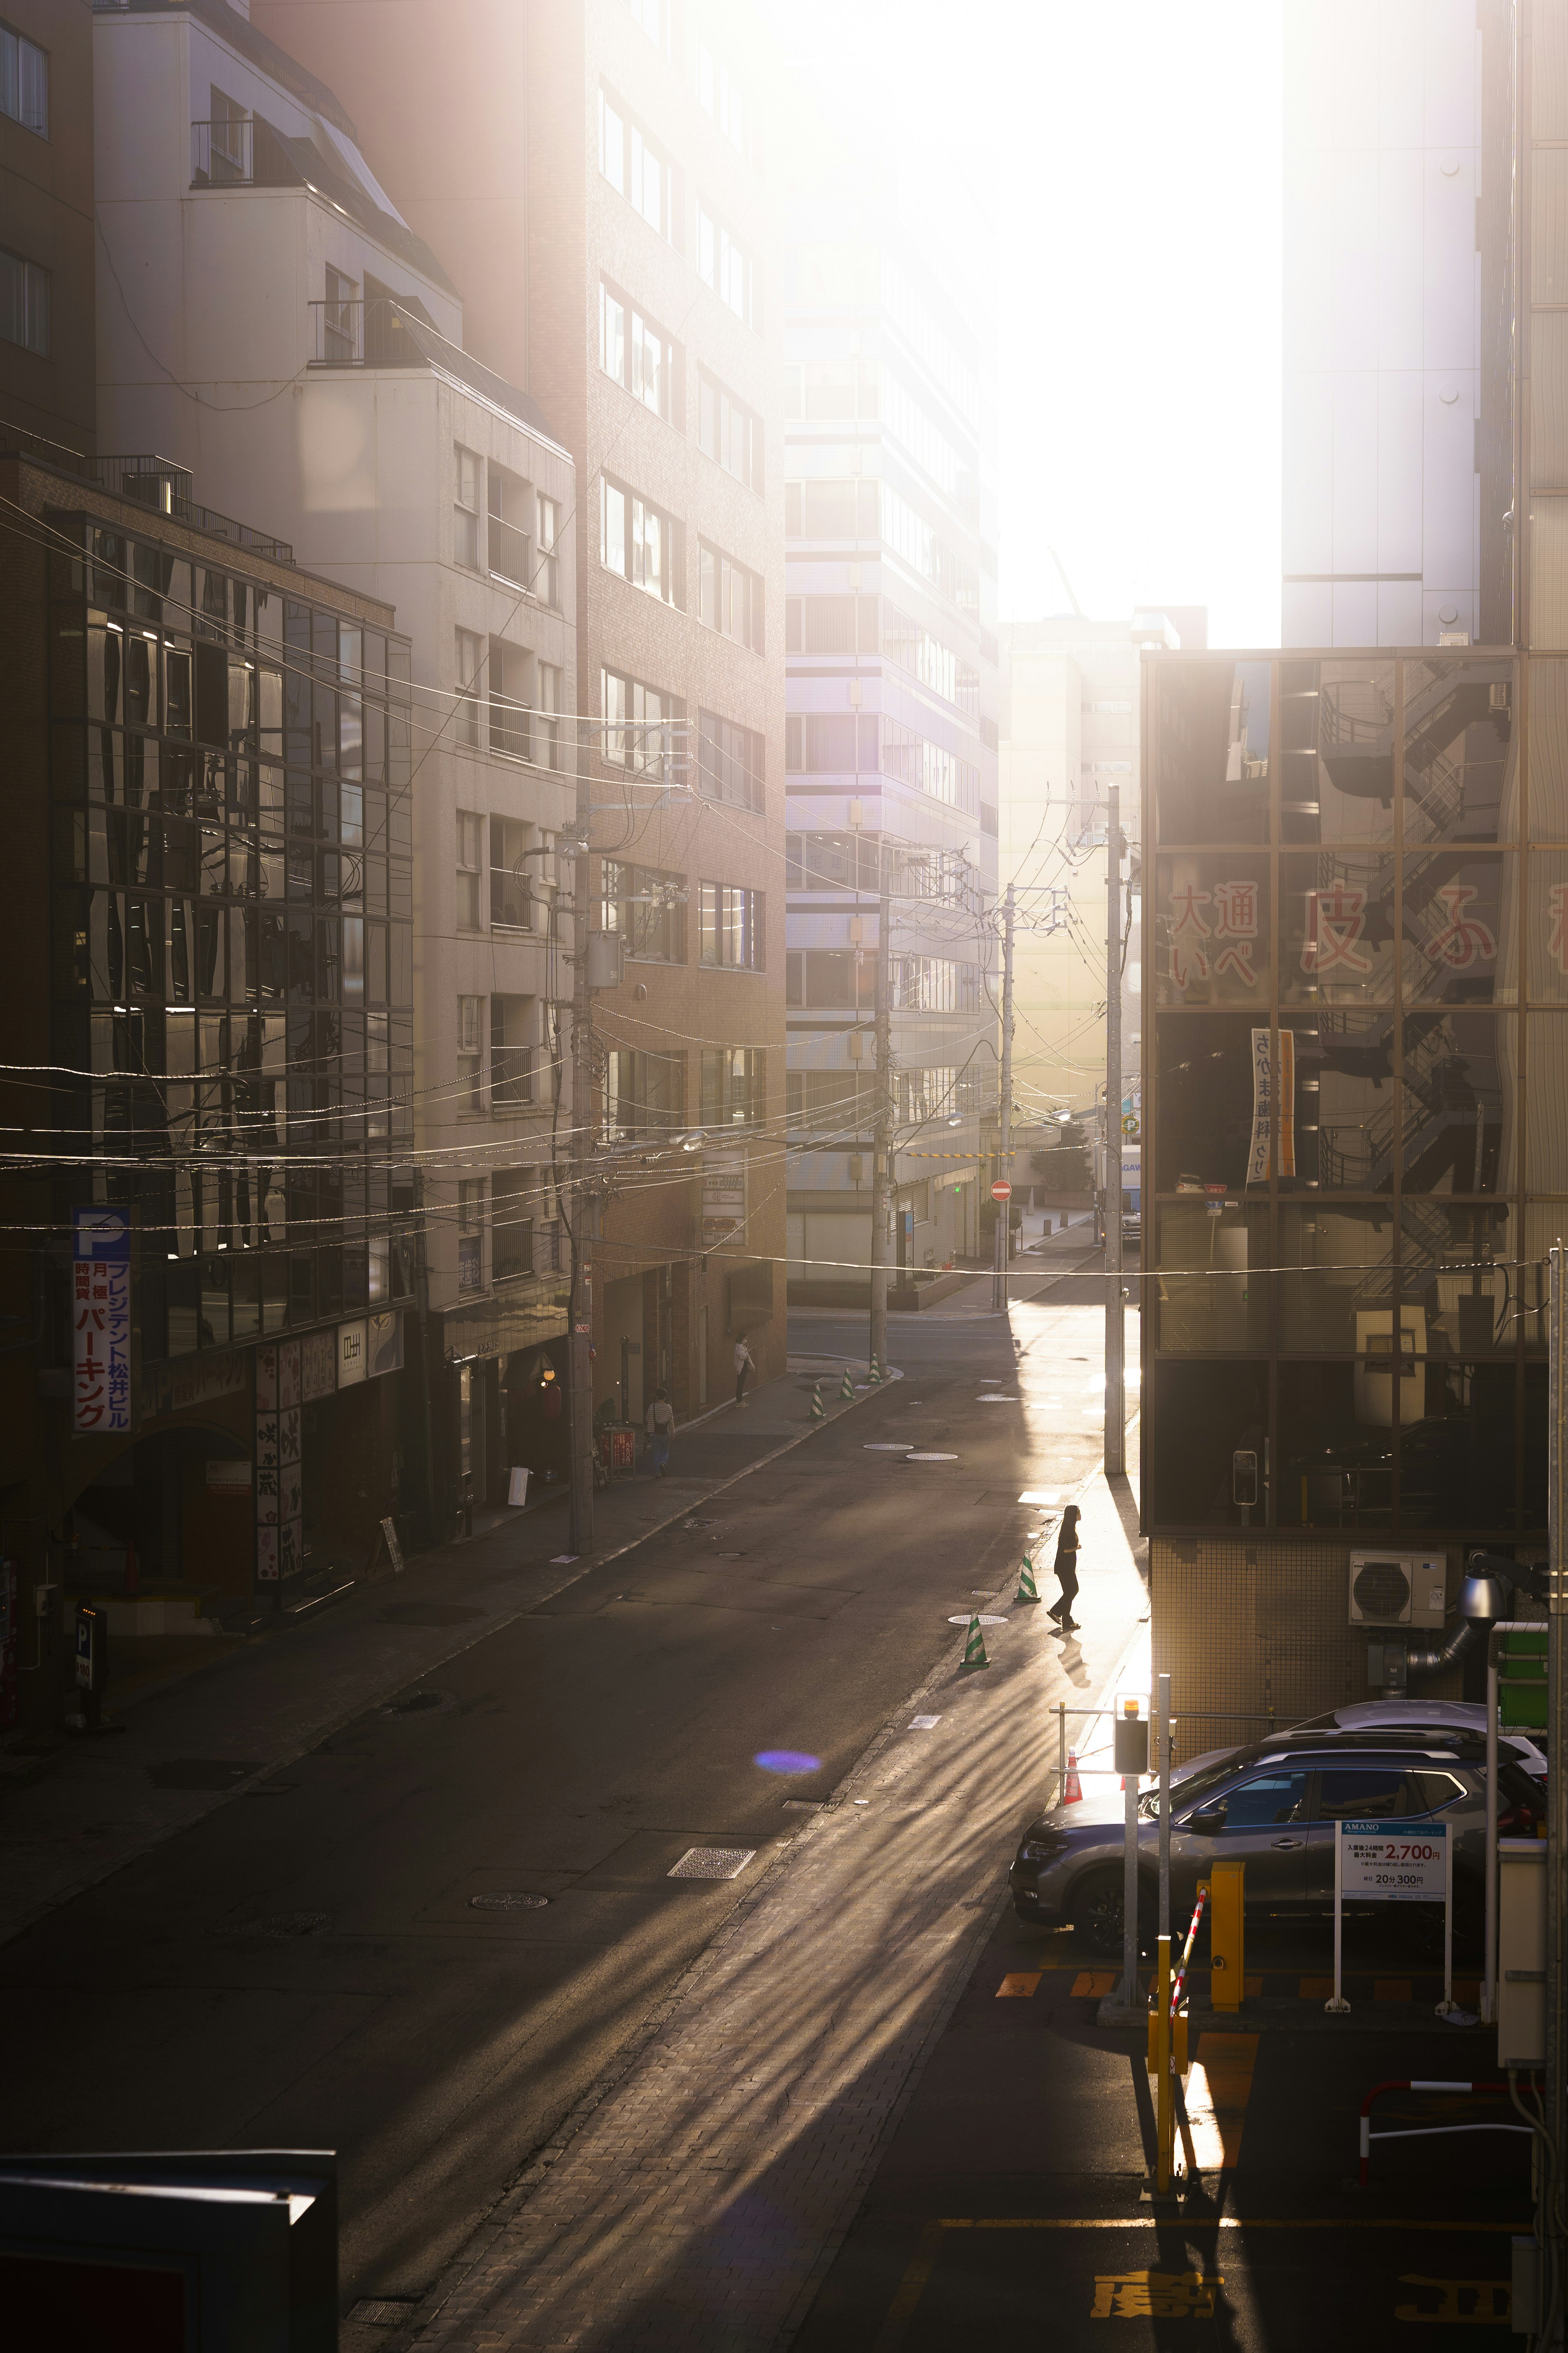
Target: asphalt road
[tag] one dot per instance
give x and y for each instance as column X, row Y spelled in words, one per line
column 307, row 1966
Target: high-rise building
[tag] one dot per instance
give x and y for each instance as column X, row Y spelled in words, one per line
column 598, row 177
column 890, row 511
column 47, row 383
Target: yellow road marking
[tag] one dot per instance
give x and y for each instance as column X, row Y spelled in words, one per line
column 1216, row 2096
column 1391, row 1989
column 1155, row 2295
column 1094, row 1981
column 1483, row 2303
column 1316, row 1989
column 1019, row 1982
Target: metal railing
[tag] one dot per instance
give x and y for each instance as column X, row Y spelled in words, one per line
column 247, row 154
column 364, row 333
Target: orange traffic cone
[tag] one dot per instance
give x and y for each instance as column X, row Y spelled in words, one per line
column 1073, row 1793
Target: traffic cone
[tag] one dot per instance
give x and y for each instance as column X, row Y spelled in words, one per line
column 818, row 1411
column 1072, row 1794
column 1027, row 1591
column 846, row 1389
column 874, row 1373
column 974, row 1646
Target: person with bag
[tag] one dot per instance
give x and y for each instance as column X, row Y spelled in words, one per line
column 744, row 1362
column 1067, row 1570
column 660, row 1420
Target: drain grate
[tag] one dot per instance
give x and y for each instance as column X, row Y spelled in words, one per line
column 712, row 1863
column 507, row 1900
column 380, row 2311
column 200, row 1773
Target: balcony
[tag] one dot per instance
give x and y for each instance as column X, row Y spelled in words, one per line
column 377, row 333
column 248, row 154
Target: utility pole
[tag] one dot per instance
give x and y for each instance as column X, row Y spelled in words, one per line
column 1004, row 1165
column 1115, row 1370
column 1554, row 2253
column 582, row 1222
column 882, row 1144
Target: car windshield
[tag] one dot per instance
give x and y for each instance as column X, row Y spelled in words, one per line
column 1194, row 1788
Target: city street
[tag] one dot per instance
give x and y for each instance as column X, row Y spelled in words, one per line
column 341, row 1957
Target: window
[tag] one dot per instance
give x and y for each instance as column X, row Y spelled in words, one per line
column 914, row 648
column 510, row 512
column 508, row 699
column 731, row 927
column 730, row 762
column 513, row 874
column 23, row 81
column 511, row 1051
column 513, row 1192
column 1266, row 1801
column 926, row 1093
column 547, row 715
column 24, row 303
column 730, row 599
column 647, row 908
column 470, row 1054
column 930, row 767
column 839, row 512
column 226, row 135
column 656, row 18
column 470, row 1227
column 906, row 421
column 645, row 1094
column 831, row 625
column 728, row 432
column 637, row 541
column 547, row 578
column 843, row 1100
column 836, row 976
column 1365, row 1793
column 644, row 731
column 718, row 94
column 470, row 654
column 832, row 389
column 466, row 511
column 470, row 836
column 633, row 166
column 924, row 551
column 733, row 1086
column 637, row 355
column 338, row 319
column 831, row 742
column 726, row 265
column 831, row 862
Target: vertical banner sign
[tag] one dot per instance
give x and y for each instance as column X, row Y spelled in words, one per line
column 100, row 1322
column 279, row 1495
column 723, row 1198
column 1271, row 1118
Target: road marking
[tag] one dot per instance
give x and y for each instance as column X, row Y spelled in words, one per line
column 1019, row 1984
column 1097, row 1982
column 1155, row 2295
column 1218, row 2090
column 1390, row 1989
column 1040, row 1495
column 1486, row 2301
column 1316, row 1989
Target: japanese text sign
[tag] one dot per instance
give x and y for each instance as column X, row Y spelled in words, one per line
column 100, row 1322
column 1395, row 1862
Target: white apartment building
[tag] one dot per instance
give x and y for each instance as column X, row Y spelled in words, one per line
column 267, row 319
column 1386, row 320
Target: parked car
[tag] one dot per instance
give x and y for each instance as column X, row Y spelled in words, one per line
column 1439, row 1717
column 1273, row 1805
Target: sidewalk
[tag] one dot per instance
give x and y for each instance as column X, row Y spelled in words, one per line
column 237, row 1711
column 695, row 2199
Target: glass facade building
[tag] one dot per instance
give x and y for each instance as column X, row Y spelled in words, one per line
column 1356, row 1093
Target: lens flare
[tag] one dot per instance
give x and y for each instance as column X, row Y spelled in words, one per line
column 787, row 1760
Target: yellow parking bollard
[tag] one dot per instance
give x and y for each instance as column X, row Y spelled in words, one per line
column 1227, row 1955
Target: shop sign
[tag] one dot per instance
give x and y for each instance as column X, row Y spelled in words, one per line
column 229, row 1478
column 723, row 1198
column 279, row 1490
column 193, row 1380
column 350, row 1354
column 1267, row 1121
column 384, row 1342
column 100, row 1322
column 317, row 1364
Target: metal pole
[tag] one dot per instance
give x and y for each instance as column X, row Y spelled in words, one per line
column 1004, row 1162
column 580, row 1370
column 1488, row 1981
column 1556, row 1786
column 1061, row 1750
column 881, row 1148
column 1164, row 2087
column 1162, row 1727
column 1130, row 1897
column 1115, row 1369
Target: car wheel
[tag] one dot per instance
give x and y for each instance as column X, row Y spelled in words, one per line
column 1097, row 1913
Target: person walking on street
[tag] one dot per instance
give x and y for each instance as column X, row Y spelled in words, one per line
column 1067, row 1570
column 660, row 1422
column 744, row 1362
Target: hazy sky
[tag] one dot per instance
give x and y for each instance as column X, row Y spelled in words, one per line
column 1139, row 348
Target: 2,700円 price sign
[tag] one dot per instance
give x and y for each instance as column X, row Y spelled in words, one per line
column 1393, row 1862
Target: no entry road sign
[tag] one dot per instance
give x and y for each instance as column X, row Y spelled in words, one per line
column 1001, row 1190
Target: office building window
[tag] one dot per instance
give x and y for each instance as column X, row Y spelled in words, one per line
column 726, row 265
column 645, row 1094
column 832, row 625
column 846, row 514
column 471, row 840
column 636, row 355
column 546, row 716
column 932, row 985
column 470, row 656
column 24, row 303
column 509, row 668
column 547, row 576
column 511, row 1051
column 465, row 509
column 513, row 874
column 339, row 315
column 647, row 908
column 23, row 81
column 830, row 743
column 470, row 1228
column 644, row 731
column 831, row 390
column 511, row 504
column 513, row 1193
column 721, row 95
column 637, row 541
column 728, row 432
column 634, row 165
column 470, row 1054
column 730, row 762
column 731, row 927
column 733, row 1086
column 730, row 599
column 657, row 19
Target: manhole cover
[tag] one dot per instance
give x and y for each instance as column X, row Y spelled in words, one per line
column 712, row 1863
column 200, row 1773
column 507, row 1900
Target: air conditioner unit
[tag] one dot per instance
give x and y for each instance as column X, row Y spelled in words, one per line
column 1397, row 1589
